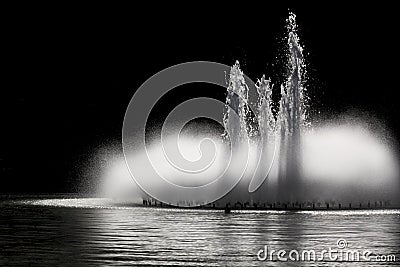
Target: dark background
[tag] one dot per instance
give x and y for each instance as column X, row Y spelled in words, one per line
column 69, row 72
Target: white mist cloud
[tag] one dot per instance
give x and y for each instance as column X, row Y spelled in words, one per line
column 340, row 162
column 348, row 155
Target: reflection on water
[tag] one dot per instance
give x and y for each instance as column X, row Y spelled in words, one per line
column 98, row 232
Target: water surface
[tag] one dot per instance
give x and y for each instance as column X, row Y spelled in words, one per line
column 82, row 231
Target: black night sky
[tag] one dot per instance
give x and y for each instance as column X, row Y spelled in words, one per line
column 69, row 74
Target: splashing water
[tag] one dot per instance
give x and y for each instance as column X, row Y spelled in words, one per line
column 291, row 117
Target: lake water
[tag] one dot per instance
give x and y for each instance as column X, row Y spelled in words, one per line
column 50, row 230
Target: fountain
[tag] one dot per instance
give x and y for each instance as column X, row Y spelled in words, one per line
column 285, row 130
column 279, row 160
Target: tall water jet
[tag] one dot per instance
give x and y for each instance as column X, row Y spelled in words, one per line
column 265, row 118
column 291, row 117
column 236, row 124
column 236, row 127
column 266, row 145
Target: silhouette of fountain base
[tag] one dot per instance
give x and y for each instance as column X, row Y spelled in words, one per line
column 281, row 206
